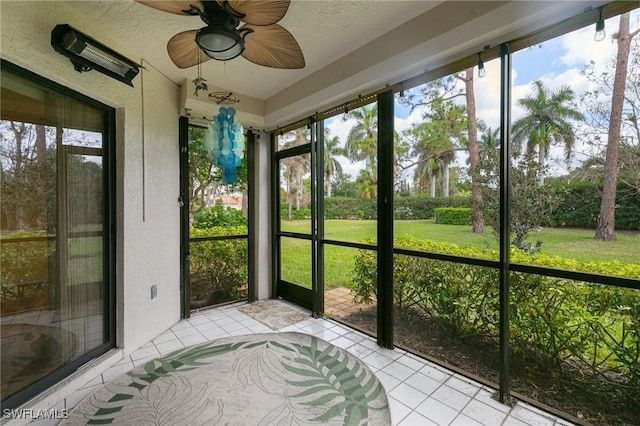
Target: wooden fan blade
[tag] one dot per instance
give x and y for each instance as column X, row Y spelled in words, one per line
column 272, row 46
column 184, row 51
column 174, row 6
column 259, row 12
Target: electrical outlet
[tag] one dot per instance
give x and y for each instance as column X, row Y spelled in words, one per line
column 154, row 291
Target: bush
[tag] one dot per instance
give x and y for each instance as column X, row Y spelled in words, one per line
column 580, row 206
column 454, row 215
column 218, row 268
column 554, row 321
column 420, row 206
column 423, row 206
column 300, row 214
column 219, row 216
column 26, row 269
column 350, row 208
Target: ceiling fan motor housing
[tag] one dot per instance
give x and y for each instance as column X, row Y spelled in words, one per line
column 220, row 39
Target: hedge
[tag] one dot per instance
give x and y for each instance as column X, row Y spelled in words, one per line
column 350, row 208
column 27, row 269
column 555, row 321
column 219, row 216
column 580, row 206
column 454, row 215
column 420, row 206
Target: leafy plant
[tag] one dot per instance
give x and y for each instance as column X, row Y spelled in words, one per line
column 328, row 376
column 219, row 216
column 25, row 265
column 218, row 268
column 553, row 321
column 454, row 215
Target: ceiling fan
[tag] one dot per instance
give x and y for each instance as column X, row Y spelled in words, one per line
column 259, row 40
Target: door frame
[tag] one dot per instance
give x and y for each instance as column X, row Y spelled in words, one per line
column 307, row 298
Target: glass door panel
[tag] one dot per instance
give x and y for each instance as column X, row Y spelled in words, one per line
column 55, row 254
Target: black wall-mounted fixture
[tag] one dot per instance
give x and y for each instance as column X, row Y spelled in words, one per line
column 87, row 54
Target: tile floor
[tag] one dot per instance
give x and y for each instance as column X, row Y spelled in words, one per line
column 420, row 393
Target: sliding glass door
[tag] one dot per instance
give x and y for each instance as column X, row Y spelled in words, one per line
column 56, row 263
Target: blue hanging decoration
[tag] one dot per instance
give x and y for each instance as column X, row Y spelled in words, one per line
column 224, row 140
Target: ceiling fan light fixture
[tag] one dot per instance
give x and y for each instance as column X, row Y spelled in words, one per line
column 219, row 42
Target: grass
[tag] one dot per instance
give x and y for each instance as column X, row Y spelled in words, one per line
column 569, row 243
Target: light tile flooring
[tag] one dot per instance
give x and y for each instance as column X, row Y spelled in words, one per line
column 420, row 393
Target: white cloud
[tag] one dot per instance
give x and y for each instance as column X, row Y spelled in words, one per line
column 487, row 92
column 580, row 47
column 576, row 49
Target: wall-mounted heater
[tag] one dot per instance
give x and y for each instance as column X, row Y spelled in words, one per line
column 86, row 54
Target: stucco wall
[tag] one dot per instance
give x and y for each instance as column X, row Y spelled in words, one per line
column 147, row 160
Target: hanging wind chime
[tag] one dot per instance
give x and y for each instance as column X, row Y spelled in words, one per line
column 199, row 82
column 224, row 140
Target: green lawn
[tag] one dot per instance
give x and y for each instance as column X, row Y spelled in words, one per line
column 568, row 243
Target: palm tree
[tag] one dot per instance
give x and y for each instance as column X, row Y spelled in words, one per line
column 435, row 141
column 427, row 171
column 445, row 158
column 362, row 141
column 546, row 123
column 367, row 184
column 294, row 169
column 331, row 164
column 433, row 160
column 489, row 144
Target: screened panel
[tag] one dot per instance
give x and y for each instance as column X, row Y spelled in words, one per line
column 576, row 346
column 351, row 175
column 447, row 162
column 218, row 271
column 575, row 175
column 350, row 286
column 218, row 243
column 295, row 261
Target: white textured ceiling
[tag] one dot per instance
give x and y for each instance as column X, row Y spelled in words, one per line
column 351, row 47
column 326, row 30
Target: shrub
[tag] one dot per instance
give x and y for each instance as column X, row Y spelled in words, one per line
column 26, row 267
column 218, row 268
column 423, row 206
column 299, row 214
column 419, row 206
column 350, row 208
column 579, row 206
column 454, row 215
column 219, row 216
column 555, row 321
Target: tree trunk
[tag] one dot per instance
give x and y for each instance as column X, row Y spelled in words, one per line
column 433, row 185
column 541, row 163
column 445, row 181
column 245, row 199
column 474, row 155
column 606, row 219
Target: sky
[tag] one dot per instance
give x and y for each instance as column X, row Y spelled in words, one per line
column 556, row 62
